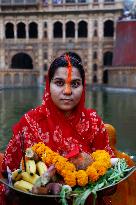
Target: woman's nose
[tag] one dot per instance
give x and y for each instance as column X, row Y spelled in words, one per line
column 67, row 89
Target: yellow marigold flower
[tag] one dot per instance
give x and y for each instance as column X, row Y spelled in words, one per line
column 39, row 148
column 82, row 178
column 100, row 168
column 59, row 166
column 56, row 158
column 47, row 159
column 47, row 149
column 92, row 174
column 70, row 166
column 101, row 155
column 40, row 151
column 68, row 170
column 70, row 178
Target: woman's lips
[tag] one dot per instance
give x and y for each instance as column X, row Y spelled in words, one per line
column 66, row 100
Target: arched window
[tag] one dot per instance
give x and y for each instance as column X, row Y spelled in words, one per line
column 82, row 29
column 57, row 30
column 107, row 59
column 70, row 29
column 21, row 32
column 22, row 61
column 9, row 30
column 95, row 55
column 108, row 28
column 33, row 30
column 45, row 24
column 94, row 67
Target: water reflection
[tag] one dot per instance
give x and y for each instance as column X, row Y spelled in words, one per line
column 119, row 109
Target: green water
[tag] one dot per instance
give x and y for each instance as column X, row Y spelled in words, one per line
column 117, row 108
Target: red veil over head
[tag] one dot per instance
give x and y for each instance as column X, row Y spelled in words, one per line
column 63, row 133
column 83, row 130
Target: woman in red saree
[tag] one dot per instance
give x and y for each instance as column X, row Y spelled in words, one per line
column 62, row 122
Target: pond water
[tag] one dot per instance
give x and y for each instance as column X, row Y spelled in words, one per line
column 117, row 108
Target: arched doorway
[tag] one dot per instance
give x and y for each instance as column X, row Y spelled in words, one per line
column 22, row 61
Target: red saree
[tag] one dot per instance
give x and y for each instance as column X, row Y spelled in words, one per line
column 83, row 130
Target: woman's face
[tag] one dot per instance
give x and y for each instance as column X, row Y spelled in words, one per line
column 64, row 100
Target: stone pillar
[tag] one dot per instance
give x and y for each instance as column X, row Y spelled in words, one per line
column 64, row 32
column 2, row 30
column 76, row 32
column 50, row 30
column 40, row 64
column 90, row 29
column 2, row 57
column 15, row 31
column 100, row 28
column 40, row 30
column 89, row 66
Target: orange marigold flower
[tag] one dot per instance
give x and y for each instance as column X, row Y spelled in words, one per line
column 100, row 168
column 92, row 174
column 70, row 178
column 101, row 155
column 69, row 166
column 82, row 178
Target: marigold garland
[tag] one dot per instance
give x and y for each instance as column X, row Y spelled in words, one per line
column 68, row 170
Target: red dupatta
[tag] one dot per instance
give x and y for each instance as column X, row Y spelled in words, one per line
column 64, row 134
column 83, row 130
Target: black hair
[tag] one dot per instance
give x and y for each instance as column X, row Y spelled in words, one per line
column 62, row 62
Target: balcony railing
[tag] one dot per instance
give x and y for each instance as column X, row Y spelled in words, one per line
column 18, row 2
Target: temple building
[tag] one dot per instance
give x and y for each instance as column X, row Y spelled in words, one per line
column 34, row 32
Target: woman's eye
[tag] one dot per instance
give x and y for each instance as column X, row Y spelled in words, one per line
column 59, row 83
column 75, row 84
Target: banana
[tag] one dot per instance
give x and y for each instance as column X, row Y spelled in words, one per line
column 41, row 167
column 27, row 177
column 31, row 167
column 16, row 175
column 23, row 185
